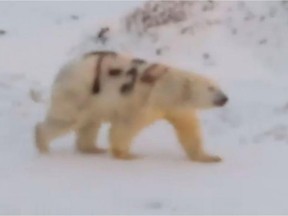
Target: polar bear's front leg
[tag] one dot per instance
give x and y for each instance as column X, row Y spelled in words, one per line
column 121, row 136
column 188, row 131
column 86, row 137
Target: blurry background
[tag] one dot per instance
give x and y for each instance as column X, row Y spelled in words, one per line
column 241, row 44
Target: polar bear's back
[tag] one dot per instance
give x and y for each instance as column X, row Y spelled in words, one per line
column 111, row 81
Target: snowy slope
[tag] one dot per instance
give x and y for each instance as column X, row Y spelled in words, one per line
column 251, row 133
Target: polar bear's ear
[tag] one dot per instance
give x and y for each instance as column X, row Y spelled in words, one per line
column 186, row 90
column 153, row 73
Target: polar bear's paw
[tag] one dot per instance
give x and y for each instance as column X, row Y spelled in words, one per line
column 92, row 150
column 124, row 155
column 206, row 158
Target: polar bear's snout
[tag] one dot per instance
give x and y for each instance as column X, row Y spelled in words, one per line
column 221, row 99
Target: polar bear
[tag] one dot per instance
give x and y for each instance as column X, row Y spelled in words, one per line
column 130, row 94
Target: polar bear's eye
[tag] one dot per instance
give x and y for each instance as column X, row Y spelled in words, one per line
column 211, row 89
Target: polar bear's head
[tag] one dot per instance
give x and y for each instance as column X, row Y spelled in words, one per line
column 202, row 93
column 189, row 90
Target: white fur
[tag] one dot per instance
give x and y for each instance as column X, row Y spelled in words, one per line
column 173, row 96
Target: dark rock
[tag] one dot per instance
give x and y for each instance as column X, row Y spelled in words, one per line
column 2, row 32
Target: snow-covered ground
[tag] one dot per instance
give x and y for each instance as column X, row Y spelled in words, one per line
column 247, row 56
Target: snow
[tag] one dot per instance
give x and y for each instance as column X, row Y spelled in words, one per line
column 250, row 133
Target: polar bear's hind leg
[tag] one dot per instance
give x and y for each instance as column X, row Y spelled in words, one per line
column 48, row 130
